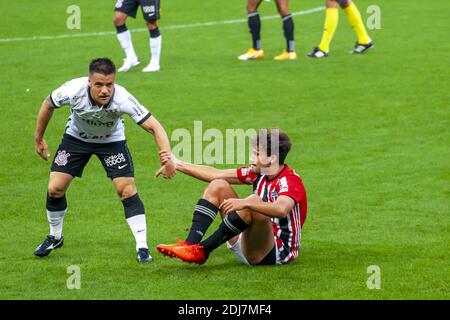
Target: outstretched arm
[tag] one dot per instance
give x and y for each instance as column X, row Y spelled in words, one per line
column 203, row 173
column 153, row 126
column 277, row 209
column 44, row 116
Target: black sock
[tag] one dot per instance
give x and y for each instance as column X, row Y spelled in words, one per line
column 204, row 215
column 121, row 28
column 133, row 206
column 254, row 24
column 288, row 28
column 56, row 204
column 154, row 33
column 231, row 226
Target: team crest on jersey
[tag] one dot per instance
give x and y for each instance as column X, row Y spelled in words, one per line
column 61, row 158
column 62, row 99
column 274, row 194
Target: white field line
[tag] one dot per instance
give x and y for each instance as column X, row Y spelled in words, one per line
column 170, row 27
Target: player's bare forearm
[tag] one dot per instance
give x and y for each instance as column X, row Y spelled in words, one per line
column 277, row 209
column 44, row 116
column 153, row 126
column 206, row 173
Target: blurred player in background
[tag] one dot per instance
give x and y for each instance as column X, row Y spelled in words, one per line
column 262, row 229
column 363, row 44
column 150, row 9
column 95, row 127
column 254, row 24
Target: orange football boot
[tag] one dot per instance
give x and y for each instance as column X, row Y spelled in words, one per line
column 167, row 249
column 192, row 253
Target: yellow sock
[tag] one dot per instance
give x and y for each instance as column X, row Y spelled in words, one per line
column 354, row 17
column 330, row 26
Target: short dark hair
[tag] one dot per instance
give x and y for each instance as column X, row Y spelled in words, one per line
column 104, row 66
column 264, row 140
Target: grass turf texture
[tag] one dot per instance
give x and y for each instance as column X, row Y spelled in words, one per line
column 370, row 138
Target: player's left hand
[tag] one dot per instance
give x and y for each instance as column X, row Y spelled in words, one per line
column 232, row 205
column 168, row 170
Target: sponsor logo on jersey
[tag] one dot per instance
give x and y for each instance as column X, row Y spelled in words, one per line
column 84, row 135
column 115, row 159
column 61, row 158
column 98, row 123
column 283, row 185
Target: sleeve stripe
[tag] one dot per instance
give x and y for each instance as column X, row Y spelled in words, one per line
column 144, row 118
column 53, row 102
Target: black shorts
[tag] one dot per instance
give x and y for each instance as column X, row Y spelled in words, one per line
column 270, row 258
column 149, row 8
column 73, row 155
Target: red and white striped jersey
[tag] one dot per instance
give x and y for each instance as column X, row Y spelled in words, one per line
column 287, row 230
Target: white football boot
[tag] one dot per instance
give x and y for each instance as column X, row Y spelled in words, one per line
column 128, row 64
column 152, row 67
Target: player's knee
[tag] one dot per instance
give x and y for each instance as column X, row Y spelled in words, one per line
column 55, row 191
column 283, row 12
column 152, row 24
column 126, row 191
column 344, row 3
column 332, row 4
column 119, row 20
column 217, row 187
column 251, row 7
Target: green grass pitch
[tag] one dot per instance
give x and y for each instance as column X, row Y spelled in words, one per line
column 370, row 133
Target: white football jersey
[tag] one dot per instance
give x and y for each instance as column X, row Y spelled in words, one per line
column 92, row 123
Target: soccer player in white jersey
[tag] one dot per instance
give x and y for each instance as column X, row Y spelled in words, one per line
column 150, row 10
column 95, row 127
column 262, row 229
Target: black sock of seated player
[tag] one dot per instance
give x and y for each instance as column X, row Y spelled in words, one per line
column 204, row 214
column 231, row 226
